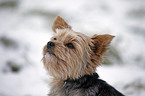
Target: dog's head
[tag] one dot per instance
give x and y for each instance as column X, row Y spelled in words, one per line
column 71, row 54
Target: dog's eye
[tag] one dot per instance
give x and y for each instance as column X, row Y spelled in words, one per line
column 54, row 38
column 70, row 45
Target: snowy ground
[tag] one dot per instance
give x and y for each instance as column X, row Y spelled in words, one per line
column 25, row 27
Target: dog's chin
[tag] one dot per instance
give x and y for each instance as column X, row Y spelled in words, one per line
column 50, row 52
column 49, row 55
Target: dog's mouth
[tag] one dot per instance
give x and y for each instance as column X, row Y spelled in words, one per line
column 50, row 52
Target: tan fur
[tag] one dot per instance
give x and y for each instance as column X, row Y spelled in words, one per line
column 73, row 63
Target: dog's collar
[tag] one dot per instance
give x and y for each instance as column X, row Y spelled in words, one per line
column 84, row 81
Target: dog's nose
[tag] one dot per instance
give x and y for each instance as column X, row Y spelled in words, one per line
column 50, row 44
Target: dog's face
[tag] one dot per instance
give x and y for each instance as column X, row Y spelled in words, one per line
column 71, row 54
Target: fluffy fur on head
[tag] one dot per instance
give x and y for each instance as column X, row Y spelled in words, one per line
column 74, row 54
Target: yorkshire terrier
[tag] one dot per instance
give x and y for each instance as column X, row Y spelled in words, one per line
column 71, row 59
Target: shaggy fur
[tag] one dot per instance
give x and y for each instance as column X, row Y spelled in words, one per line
column 71, row 59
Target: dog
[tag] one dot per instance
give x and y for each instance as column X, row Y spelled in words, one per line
column 71, row 59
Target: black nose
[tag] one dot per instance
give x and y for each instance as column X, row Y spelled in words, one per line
column 50, row 45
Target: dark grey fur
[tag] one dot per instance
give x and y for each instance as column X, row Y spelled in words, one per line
column 88, row 85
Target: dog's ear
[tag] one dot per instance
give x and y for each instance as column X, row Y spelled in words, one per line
column 59, row 23
column 100, row 43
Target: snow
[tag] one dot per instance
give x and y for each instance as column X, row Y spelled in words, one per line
column 26, row 27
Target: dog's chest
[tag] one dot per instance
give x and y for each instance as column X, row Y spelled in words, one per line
column 83, row 86
column 65, row 92
column 72, row 90
column 88, row 85
column 79, row 87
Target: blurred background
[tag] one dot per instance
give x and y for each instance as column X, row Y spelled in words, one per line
column 25, row 27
